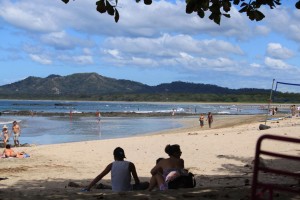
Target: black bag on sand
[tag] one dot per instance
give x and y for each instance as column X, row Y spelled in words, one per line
column 183, row 181
column 140, row 186
column 263, row 127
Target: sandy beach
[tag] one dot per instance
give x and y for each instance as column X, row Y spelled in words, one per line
column 220, row 157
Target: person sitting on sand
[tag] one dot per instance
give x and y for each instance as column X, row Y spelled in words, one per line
column 121, row 172
column 5, row 135
column 8, row 152
column 167, row 169
column 153, row 183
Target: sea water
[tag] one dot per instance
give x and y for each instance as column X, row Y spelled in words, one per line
column 55, row 129
column 138, row 107
column 62, row 129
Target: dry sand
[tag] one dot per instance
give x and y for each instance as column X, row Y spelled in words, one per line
column 221, row 158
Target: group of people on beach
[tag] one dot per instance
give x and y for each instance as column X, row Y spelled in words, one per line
column 164, row 173
column 16, row 130
column 8, row 151
column 209, row 119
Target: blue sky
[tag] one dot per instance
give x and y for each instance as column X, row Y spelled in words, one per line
column 150, row 44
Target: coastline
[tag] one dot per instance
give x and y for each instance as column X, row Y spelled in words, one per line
column 220, row 158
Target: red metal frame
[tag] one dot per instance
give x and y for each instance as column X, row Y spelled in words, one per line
column 255, row 195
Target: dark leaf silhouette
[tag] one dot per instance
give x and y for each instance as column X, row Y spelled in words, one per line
column 190, row 7
column 201, row 13
column 226, row 6
column 236, row 2
column 244, row 9
column 259, row 15
column 298, row 5
column 101, row 6
column 215, row 8
column 110, row 9
column 227, row 15
column 148, row 2
column 117, row 16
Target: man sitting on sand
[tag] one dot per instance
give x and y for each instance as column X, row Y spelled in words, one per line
column 121, row 172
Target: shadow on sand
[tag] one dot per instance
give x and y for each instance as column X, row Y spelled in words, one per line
column 235, row 185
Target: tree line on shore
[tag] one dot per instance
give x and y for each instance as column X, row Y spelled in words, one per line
column 169, row 97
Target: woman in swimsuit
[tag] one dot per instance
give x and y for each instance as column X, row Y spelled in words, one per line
column 8, row 152
column 167, row 169
column 5, row 135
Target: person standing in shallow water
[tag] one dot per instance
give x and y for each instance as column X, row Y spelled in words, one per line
column 98, row 115
column 201, row 120
column 17, row 132
column 5, row 135
column 210, row 119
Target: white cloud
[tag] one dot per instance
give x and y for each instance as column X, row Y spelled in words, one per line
column 168, row 46
column 276, row 64
column 263, row 30
column 40, row 59
column 185, row 56
column 276, row 50
column 57, row 39
column 62, row 40
column 136, row 19
column 255, row 65
column 87, row 51
column 143, row 61
column 113, row 52
column 29, row 15
column 76, row 59
column 83, row 60
column 285, row 21
column 179, row 51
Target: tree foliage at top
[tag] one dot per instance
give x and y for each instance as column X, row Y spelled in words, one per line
column 214, row 8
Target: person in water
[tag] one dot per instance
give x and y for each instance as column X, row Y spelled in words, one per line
column 5, row 135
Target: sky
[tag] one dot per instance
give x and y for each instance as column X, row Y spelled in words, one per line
column 152, row 44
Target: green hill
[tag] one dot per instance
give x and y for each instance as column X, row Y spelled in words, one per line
column 92, row 86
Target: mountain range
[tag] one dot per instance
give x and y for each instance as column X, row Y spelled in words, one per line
column 94, row 84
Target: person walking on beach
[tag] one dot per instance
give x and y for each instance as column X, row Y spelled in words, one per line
column 121, row 172
column 201, row 120
column 210, row 119
column 17, row 132
column 5, row 135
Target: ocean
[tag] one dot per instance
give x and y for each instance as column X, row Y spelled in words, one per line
column 138, row 107
column 61, row 129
